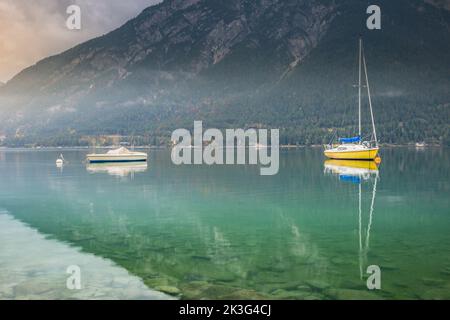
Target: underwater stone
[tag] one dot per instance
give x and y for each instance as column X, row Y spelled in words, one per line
column 194, row 289
column 436, row 294
column 433, row 282
column 168, row 289
column 338, row 261
column 318, row 284
column 244, row 294
column 155, row 282
column 224, row 277
column 350, row 294
column 313, row 297
column 446, row 271
column 285, row 294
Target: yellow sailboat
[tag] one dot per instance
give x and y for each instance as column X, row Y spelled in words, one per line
column 355, row 148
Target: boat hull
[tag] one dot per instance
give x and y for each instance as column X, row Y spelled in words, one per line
column 368, row 154
column 117, row 158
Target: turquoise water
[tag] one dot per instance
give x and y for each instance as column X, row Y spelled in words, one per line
column 221, row 232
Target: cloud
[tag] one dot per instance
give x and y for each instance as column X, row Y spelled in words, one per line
column 32, row 30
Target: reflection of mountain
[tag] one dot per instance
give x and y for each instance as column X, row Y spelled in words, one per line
column 167, row 228
column 117, row 169
column 33, row 267
column 225, row 231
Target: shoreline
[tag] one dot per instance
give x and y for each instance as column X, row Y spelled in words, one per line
column 168, row 147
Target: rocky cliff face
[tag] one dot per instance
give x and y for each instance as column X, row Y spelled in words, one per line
column 188, row 37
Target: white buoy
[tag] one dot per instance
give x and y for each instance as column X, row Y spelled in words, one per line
column 60, row 161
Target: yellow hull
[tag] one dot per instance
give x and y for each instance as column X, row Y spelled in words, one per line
column 369, row 165
column 352, row 155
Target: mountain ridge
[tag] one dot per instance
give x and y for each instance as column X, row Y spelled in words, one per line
column 239, row 63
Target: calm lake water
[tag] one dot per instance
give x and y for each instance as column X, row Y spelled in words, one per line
column 224, row 232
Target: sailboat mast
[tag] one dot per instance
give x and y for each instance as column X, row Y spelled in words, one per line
column 359, row 88
column 370, row 101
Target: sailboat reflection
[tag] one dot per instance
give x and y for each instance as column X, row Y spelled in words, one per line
column 117, row 169
column 351, row 170
column 356, row 172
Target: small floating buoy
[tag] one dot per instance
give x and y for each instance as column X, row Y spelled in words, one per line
column 60, row 161
column 377, row 160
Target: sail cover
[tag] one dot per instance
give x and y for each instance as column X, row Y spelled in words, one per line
column 121, row 150
column 350, row 140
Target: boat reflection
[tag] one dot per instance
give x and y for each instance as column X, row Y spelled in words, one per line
column 351, row 170
column 357, row 171
column 120, row 169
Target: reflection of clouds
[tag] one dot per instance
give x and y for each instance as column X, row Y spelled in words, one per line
column 32, row 30
column 299, row 249
column 221, row 246
column 301, row 246
column 33, row 267
column 392, row 198
column 390, row 93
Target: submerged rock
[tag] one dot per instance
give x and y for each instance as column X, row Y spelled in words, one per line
column 314, row 297
column 216, row 291
column 194, row 289
column 350, row 294
column 204, row 258
column 338, row 261
column 436, row 294
column 168, row 289
column 433, row 282
column 318, row 284
column 33, row 287
column 291, row 294
column 156, row 282
column 446, row 271
column 224, row 277
column 244, row 294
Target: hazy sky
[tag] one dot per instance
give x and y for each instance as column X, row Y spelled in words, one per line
column 32, row 30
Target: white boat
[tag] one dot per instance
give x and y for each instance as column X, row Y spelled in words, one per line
column 117, row 155
column 420, row 144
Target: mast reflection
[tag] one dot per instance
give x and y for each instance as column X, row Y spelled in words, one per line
column 358, row 172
